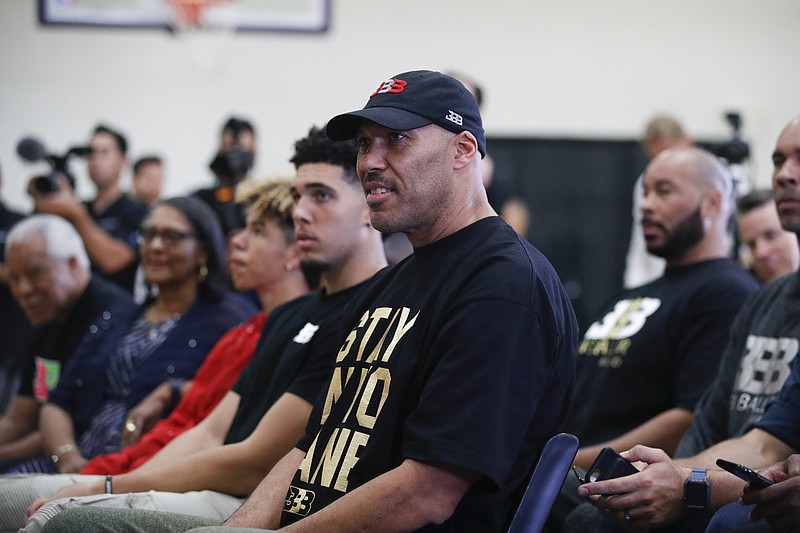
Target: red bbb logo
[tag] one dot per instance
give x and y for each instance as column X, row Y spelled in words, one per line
column 390, row 86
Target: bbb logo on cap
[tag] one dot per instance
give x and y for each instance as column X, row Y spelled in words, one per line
column 390, row 86
column 454, row 117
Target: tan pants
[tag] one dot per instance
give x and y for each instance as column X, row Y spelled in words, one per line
column 17, row 492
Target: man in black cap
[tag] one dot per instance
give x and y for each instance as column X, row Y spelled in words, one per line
column 456, row 364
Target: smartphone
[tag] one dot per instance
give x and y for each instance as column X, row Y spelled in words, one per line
column 580, row 473
column 756, row 480
column 608, row 464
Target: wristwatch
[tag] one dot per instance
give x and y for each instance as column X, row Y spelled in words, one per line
column 697, row 491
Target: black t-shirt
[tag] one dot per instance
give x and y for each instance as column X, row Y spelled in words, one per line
column 758, row 359
column 295, row 354
column 463, row 354
column 655, row 348
column 231, row 215
column 122, row 220
column 53, row 344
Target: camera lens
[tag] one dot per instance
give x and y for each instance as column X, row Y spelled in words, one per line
column 45, row 184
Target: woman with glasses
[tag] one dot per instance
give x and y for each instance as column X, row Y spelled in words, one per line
column 187, row 311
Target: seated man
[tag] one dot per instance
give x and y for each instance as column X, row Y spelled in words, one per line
column 257, row 422
column 759, row 371
column 645, row 363
column 456, row 364
column 49, row 276
column 15, row 329
column 772, row 251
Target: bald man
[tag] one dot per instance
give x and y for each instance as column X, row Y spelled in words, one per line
column 644, row 363
column 766, row 336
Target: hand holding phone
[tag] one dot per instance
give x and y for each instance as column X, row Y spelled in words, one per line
column 608, row 464
column 756, row 480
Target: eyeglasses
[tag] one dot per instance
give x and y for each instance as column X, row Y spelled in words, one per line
column 170, row 237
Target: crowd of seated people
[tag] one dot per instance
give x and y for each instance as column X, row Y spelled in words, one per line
column 324, row 411
column 168, row 337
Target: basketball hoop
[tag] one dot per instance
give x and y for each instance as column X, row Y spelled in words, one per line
column 191, row 15
column 204, row 28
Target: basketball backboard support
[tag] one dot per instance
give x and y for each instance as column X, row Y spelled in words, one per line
column 252, row 15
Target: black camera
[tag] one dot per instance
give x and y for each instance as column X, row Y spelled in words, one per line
column 234, row 162
column 48, row 183
column 231, row 164
column 33, row 150
column 735, row 151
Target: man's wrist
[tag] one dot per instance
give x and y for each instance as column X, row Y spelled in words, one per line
column 697, row 490
column 61, row 451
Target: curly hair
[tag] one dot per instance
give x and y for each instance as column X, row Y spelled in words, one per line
column 317, row 148
column 270, row 198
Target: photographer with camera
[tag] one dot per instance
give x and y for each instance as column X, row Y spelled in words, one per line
column 108, row 223
column 233, row 161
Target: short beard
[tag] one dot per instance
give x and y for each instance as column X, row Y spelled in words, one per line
column 312, row 271
column 687, row 233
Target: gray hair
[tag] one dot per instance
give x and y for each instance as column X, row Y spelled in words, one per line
column 61, row 239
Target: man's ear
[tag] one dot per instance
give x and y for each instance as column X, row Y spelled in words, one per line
column 72, row 264
column 292, row 257
column 712, row 204
column 466, row 149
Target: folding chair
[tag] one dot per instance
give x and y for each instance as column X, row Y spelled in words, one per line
column 548, row 476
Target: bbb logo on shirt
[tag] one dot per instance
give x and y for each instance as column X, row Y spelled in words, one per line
column 298, row 501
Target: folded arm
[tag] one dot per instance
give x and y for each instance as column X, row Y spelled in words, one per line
column 19, row 434
column 663, row 431
column 209, row 433
column 234, row 469
column 404, row 499
column 59, row 438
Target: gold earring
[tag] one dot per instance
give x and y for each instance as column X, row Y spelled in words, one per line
column 202, row 274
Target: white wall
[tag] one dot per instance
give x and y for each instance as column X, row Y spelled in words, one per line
column 568, row 68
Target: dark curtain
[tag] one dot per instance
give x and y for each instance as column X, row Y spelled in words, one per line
column 579, row 193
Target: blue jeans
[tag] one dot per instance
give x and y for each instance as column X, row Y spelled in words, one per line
column 735, row 517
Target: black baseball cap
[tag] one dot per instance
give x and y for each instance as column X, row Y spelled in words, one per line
column 412, row 100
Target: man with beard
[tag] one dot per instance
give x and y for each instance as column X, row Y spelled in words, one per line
column 643, row 365
column 456, row 365
column 759, row 371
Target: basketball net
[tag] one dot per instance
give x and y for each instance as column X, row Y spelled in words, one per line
column 204, row 26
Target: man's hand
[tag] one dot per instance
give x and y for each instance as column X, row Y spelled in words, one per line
column 144, row 416
column 70, row 491
column 62, row 202
column 651, row 498
column 778, row 504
